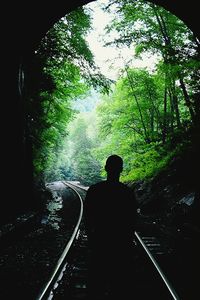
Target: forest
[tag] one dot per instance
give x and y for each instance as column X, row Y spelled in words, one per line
column 76, row 116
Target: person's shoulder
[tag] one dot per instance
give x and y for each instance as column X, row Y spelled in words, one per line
column 97, row 185
column 125, row 186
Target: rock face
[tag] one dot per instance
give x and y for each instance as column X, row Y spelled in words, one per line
column 173, row 192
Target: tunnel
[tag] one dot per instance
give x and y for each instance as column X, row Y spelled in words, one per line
column 23, row 26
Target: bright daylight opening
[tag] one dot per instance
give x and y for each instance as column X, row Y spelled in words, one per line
column 117, row 77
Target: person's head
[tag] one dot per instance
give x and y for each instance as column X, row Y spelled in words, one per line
column 114, row 166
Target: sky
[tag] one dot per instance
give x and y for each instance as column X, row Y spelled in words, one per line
column 110, row 59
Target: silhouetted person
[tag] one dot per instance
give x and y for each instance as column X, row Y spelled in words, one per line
column 110, row 216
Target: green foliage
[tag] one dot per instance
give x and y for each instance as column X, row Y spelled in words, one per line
column 85, row 167
column 154, row 30
column 148, row 162
column 76, row 160
column 62, row 71
column 131, row 121
column 145, row 117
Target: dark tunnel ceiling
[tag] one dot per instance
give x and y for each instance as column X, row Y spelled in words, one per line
column 32, row 19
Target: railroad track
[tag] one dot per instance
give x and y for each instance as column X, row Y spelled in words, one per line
column 18, row 228
column 69, row 279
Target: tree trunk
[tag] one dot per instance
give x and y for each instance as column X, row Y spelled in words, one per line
column 164, row 129
column 146, row 136
column 187, row 99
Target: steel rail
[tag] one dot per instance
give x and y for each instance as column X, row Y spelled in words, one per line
column 81, row 187
column 166, row 281
column 161, row 273
column 55, row 274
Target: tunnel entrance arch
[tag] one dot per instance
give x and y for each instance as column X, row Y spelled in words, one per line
column 28, row 23
column 95, row 1
column 43, row 18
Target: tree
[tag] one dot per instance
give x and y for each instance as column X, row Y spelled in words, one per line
column 62, row 70
column 154, row 30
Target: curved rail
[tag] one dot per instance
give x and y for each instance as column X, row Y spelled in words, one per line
column 47, row 289
column 161, row 273
column 60, row 264
column 77, row 185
